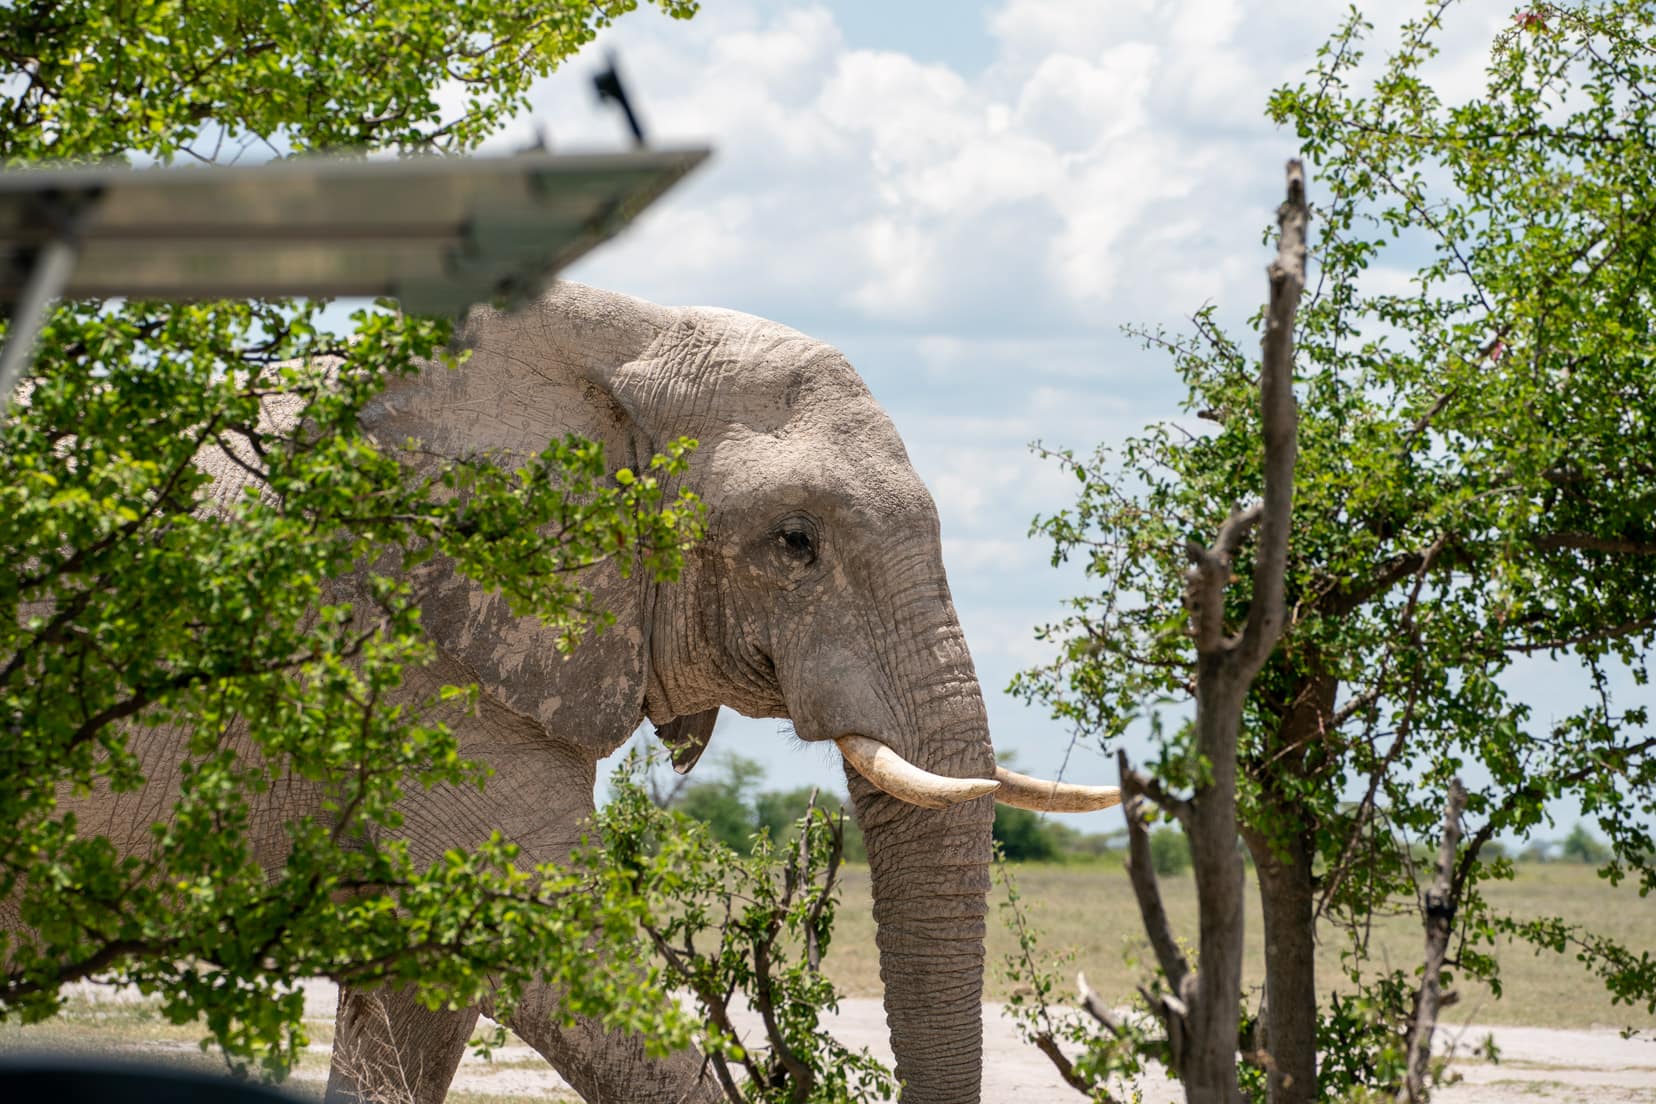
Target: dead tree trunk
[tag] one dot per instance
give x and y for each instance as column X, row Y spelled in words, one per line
column 1200, row 1012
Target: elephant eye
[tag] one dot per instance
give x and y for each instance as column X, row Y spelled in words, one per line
column 799, row 544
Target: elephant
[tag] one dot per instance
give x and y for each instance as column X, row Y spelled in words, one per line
column 818, row 595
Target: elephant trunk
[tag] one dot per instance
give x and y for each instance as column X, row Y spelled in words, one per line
column 930, row 870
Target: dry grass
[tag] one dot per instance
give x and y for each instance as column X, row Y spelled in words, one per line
column 1090, row 910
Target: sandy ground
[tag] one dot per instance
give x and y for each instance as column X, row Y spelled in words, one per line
column 1536, row 1064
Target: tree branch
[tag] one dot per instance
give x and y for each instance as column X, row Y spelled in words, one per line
column 1047, row 1045
column 1200, row 1009
column 1588, row 542
column 1094, row 1007
column 1172, row 804
column 1609, row 632
column 1441, row 900
column 1279, row 418
column 1338, row 601
column 1405, row 727
column 1143, row 875
column 801, row 1076
column 1536, row 791
column 1209, row 574
column 813, row 946
column 717, row 1011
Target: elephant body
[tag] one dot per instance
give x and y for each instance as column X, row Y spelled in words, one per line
column 817, row 595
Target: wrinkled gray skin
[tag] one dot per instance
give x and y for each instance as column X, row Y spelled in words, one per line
column 858, row 635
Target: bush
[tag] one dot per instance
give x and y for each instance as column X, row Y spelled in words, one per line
column 732, row 929
column 1169, row 851
column 725, row 800
column 1023, row 836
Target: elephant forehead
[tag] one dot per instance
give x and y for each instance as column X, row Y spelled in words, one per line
column 817, row 469
column 751, row 372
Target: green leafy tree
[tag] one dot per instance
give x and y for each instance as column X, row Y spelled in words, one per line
column 1474, row 488
column 132, row 598
column 1023, row 835
column 724, row 802
column 1583, row 847
column 727, row 799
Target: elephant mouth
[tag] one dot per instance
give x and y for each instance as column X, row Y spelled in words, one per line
column 891, row 773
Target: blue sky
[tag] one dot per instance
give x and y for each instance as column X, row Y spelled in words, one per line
column 970, row 199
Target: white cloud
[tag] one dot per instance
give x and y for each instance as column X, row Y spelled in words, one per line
column 1038, row 28
column 926, row 198
column 1075, row 103
column 1206, row 23
column 972, row 236
column 900, row 257
column 970, row 556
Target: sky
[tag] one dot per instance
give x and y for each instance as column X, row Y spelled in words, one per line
column 970, row 199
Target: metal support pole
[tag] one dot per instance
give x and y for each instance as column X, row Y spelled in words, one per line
column 52, row 268
column 64, row 212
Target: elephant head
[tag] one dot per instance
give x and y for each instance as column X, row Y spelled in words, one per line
column 818, row 595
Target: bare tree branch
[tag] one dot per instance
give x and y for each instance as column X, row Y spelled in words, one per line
column 1280, row 419
column 1156, row 925
column 1199, row 1012
column 1151, row 787
column 1210, row 573
column 1094, row 1007
column 1441, row 901
column 813, row 946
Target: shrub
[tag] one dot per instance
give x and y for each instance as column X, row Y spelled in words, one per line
column 1169, row 851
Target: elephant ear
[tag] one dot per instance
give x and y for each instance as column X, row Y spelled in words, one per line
column 531, row 377
column 686, row 737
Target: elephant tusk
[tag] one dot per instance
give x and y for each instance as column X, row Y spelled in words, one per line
column 1052, row 797
column 903, row 780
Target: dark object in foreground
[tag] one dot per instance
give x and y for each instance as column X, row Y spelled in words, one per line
column 66, row 1079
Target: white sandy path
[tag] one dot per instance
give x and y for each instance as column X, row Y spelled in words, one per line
column 1537, row 1064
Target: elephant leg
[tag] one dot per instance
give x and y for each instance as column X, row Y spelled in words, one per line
column 388, row 1047
column 609, row 1067
column 540, row 798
